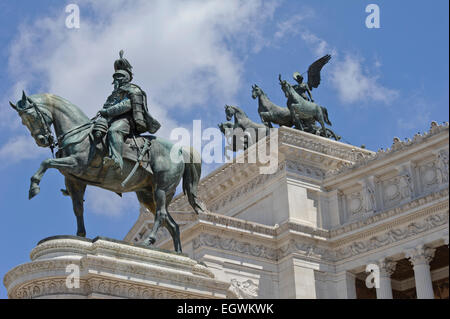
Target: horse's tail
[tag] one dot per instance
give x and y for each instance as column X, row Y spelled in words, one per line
column 325, row 115
column 191, row 178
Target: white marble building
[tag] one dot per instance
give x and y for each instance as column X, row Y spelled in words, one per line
column 331, row 209
column 307, row 231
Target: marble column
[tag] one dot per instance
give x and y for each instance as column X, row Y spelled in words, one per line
column 387, row 268
column 345, row 285
column 420, row 258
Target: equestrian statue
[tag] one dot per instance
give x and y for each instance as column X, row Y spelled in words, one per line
column 110, row 151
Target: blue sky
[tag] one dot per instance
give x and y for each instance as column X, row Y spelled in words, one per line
column 193, row 57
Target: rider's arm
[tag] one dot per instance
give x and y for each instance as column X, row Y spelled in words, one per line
column 120, row 108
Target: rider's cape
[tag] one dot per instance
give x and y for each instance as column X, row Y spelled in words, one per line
column 143, row 121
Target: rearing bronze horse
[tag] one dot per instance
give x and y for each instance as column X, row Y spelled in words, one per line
column 302, row 109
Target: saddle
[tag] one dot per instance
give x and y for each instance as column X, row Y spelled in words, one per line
column 132, row 146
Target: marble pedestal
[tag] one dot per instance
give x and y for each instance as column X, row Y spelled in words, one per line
column 74, row 267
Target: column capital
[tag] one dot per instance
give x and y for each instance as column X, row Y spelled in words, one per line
column 420, row 255
column 387, row 267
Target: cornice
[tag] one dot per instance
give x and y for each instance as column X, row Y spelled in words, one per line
column 303, row 152
column 397, row 147
column 98, row 286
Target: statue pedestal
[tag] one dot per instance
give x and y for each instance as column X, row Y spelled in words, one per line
column 74, row 267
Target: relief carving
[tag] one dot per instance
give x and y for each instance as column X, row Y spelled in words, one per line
column 245, row 289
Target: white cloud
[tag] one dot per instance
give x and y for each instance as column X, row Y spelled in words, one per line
column 103, row 202
column 20, row 148
column 185, row 54
column 319, row 46
column 354, row 83
column 289, row 27
column 179, row 50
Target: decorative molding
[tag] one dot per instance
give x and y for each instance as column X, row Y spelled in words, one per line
column 96, row 287
column 103, row 265
column 397, row 146
column 392, row 236
column 233, row 245
column 238, row 192
column 337, row 150
column 244, row 290
column 382, row 215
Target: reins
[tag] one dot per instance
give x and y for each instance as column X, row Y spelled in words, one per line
column 48, row 132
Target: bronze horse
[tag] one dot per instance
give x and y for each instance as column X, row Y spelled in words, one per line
column 303, row 110
column 269, row 112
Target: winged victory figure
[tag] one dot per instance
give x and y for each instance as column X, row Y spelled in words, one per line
column 304, row 89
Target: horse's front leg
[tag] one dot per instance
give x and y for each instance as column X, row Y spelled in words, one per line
column 297, row 121
column 65, row 163
column 266, row 119
column 321, row 120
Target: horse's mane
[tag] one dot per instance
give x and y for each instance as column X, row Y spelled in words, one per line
column 262, row 91
column 239, row 109
column 59, row 102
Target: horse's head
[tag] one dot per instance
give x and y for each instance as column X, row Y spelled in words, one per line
column 256, row 91
column 36, row 120
column 225, row 125
column 229, row 112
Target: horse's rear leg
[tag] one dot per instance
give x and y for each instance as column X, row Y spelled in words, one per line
column 76, row 190
column 173, row 229
column 158, row 208
column 162, row 218
column 146, row 199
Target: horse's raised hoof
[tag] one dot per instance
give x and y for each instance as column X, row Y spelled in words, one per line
column 34, row 190
column 150, row 241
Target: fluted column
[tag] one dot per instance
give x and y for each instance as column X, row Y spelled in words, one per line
column 387, row 268
column 420, row 258
column 345, row 286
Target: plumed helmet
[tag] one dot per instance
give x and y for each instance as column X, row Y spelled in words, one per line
column 122, row 64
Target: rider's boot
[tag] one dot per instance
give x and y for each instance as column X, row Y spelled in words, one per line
column 115, row 152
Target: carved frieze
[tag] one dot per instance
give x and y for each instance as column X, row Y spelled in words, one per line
column 355, row 203
column 397, row 146
column 244, row 289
